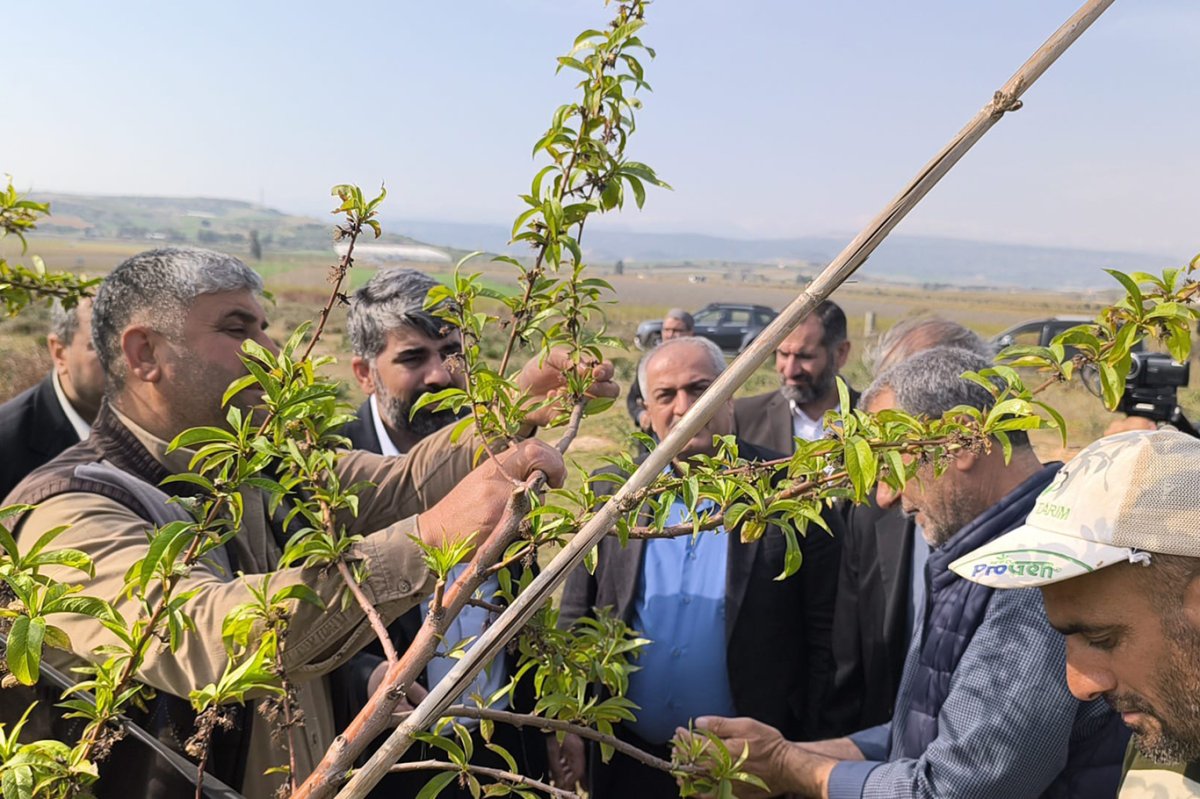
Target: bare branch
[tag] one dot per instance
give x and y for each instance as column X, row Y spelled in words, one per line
column 494, row 773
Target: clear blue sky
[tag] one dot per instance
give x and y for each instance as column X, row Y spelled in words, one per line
column 770, row 117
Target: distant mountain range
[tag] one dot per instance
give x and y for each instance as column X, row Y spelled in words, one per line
column 910, row 259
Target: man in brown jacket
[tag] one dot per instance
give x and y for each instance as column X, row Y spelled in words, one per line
column 168, row 327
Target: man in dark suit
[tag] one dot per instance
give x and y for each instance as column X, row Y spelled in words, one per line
column 56, row 413
column 808, row 362
column 402, row 351
column 725, row 633
column 883, row 558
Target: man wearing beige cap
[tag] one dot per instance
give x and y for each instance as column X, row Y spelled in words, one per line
column 1114, row 544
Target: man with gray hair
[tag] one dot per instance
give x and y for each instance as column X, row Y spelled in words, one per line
column 881, row 585
column 168, row 327
column 728, row 637
column 677, row 323
column 401, row 351
column 983, row 709
column 55, row 414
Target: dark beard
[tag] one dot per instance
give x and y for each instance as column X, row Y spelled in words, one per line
column 1177, row 739
column 807, row 392
column 425, row 422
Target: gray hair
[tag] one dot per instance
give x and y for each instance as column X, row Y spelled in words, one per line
column 64, row 323
column 716, row 357
column 392, row 299
column 680, row 315
column 158, row 287
column 931, row 383
column 910, row 336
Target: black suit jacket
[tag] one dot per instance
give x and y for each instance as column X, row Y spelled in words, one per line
column 777, row 632
column 361, row 431
column 33, row 430
column 870, row 631
column 766, row 420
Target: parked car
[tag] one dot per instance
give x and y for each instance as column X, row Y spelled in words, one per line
column 1040, row 332
column 730, row 325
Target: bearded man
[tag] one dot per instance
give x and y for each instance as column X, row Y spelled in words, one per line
column 1112, row 545
column 808, row 362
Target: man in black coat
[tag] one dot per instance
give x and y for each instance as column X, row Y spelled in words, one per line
column 402, row 351
column 56, row 413
column 726, row 633
column 808, row 362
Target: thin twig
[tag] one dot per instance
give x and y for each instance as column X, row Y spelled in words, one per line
column 491, row 607
column 568, row 436
column 494, row 773
column 381, row 631
column 554, row 725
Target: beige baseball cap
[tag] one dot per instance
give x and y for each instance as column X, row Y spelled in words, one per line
column 1120, row 498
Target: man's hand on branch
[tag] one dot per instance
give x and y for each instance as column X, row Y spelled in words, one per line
column 413, row 695
column 784, row 766
column 568, row 760
column 474, row 506
column 541, row 379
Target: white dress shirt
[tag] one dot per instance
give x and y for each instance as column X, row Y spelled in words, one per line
column 82, row 428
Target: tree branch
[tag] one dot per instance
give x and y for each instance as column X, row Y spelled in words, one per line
column 381, row 631
column 494, row 773
column 554, row 725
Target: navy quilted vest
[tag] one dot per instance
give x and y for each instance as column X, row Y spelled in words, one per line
column 954, row 609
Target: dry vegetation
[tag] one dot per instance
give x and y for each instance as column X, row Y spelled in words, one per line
column 298, row 283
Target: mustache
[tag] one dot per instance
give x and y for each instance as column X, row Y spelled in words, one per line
column 1129, row 703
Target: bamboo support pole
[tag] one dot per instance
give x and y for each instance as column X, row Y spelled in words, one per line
column 850, row 259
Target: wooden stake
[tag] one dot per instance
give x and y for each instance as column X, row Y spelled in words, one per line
column 851, row 258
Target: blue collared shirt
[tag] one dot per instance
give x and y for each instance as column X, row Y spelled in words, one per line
column 680, row 607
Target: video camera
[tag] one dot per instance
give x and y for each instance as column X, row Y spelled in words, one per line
column 1152, row 389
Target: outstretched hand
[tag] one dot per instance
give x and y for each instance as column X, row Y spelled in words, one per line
column 785, row 767
column 475, row 506
column 543, row 379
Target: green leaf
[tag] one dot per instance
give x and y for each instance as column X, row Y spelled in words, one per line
column 300, row 592
column 1131, row 288
column 861, row 466
column 435, row 785
column 24, row 654
column 18, row 782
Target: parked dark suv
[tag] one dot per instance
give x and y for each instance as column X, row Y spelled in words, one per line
column 1040, row 332
column 730, row 325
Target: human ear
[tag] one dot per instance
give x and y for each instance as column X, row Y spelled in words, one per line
column 1191, row 602
column 843, row 354
column 362, row 373
column 139, row 348
column 965, row 461
column 57, row 351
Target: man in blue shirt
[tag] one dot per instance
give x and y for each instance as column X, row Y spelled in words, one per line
column 982, row 709
column 727, row 637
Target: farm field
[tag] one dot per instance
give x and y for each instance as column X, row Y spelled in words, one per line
column 298, row 282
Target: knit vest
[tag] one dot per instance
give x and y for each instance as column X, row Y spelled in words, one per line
column 954, row 609
column 112, row 463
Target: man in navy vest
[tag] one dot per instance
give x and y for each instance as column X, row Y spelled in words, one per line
column 983, row 709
